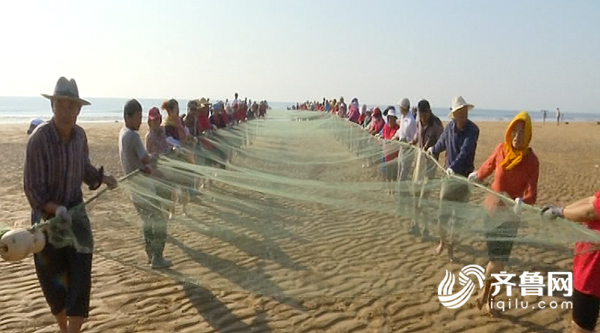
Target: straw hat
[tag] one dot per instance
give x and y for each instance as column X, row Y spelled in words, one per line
column 458, row 103
column 202, row 102
column 66, row 89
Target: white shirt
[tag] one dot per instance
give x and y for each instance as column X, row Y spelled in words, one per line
column 408, row 128
column 131, row 150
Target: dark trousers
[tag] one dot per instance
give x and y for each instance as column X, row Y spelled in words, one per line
column 65, row 278
column 155, row 227
column 63, row 272
column 453, row 193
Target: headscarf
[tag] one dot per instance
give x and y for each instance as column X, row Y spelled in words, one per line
column 515, row 156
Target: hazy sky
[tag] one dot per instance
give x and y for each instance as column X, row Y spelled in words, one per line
column 497, row 54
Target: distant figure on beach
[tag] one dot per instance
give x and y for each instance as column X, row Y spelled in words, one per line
column 134, row 157
column 177, row 135
column 586, row 261
column 33, row 124
column 354, row 112
column 516, row 170
column 459, row 141
column 342, row 108
column 429, row 130
column 390, row 165
column 544, row 115
column 406, row 133
column 558, row 116
column 56, row 149
column 377, row 122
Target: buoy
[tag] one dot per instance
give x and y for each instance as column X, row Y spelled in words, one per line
column 39, row 241
column 17, row 243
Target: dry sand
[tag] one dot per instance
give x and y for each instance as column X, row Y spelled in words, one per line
column 257, row 276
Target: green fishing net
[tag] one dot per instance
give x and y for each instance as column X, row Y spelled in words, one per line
column 298, row 205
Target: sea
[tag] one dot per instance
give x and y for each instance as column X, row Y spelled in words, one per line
column 23, row 109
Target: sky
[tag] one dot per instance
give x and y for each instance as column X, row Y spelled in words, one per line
column 511, row 54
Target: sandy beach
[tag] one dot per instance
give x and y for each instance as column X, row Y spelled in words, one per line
column 260, row 274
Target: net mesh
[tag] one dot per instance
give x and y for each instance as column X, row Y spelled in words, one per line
column 295, row 205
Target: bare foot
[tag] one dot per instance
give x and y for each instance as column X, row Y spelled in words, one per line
column 489, row 311
column 439, row 249
column 479, row 302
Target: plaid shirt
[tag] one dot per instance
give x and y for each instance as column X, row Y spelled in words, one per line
column 55, row 170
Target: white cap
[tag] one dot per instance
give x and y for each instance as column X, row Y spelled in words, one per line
column 392, row 113
column 405, row 103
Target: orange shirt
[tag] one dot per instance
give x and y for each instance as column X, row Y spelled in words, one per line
column 520, row 182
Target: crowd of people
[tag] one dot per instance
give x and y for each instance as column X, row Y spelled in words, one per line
column 516, row 169
column 59, row 147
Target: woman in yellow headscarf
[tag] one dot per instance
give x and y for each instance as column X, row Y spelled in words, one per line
column 517, row 170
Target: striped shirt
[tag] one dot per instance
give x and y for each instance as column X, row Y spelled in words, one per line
column 55, row 170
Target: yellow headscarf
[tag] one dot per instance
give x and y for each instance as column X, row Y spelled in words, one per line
column 515, row 156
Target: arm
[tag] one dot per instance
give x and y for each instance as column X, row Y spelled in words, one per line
column 440, row 145
column 151, row 145
column 91, row 176
column 139, row 149
column 488, row 167
column 413, row 135
column 583, row 210
column 467, row 150
column 530, row 195
column 35, row 175
column 373, row 128
column 397, row 134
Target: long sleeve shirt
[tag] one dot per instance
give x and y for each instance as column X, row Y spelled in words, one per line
column 156, row 142
column 519, row 182
column 408, row 128
column 460, row 147
column 429, row 134
column 55, row 170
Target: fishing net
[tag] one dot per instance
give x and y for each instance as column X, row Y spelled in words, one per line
column 303, row 205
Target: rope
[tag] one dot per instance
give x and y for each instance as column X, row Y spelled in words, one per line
column 87, row 202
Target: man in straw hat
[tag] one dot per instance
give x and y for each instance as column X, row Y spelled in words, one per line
column 58, row 148
column 459, row 141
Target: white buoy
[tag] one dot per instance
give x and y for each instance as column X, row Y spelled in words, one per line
column 39, row 241
column 18, row 244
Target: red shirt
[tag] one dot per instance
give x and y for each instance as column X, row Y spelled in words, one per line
column 586, row 264
column 388, row 134
column 361, row 119
column 204, row 122
column 240, row 114
column 377, row 125
column 519, row 182
column 204, row 125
